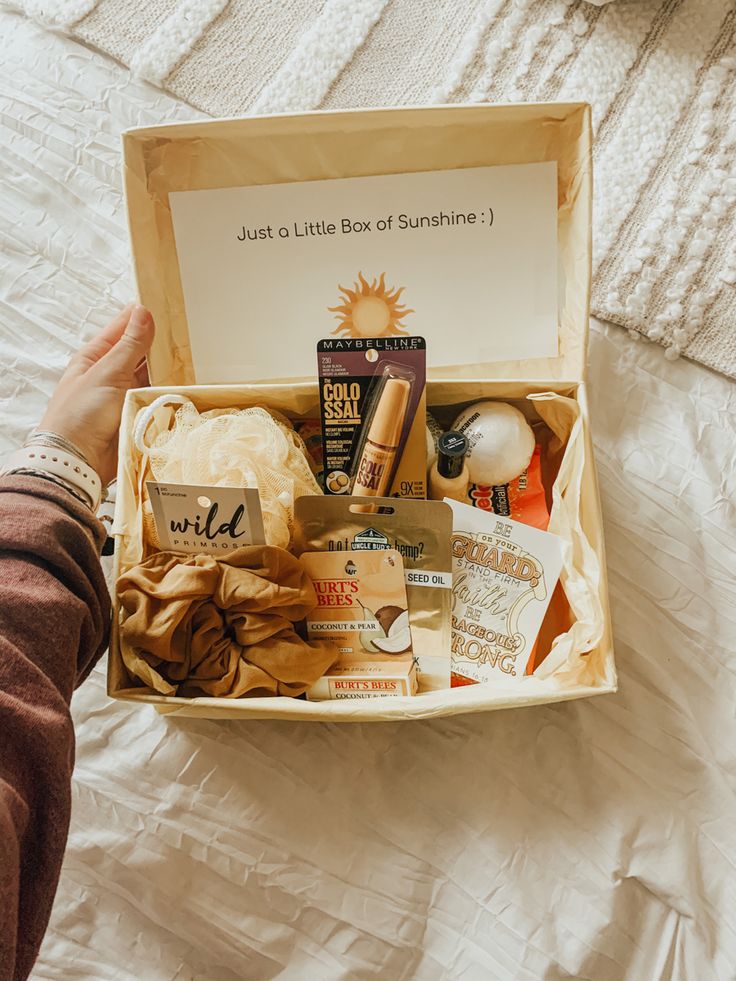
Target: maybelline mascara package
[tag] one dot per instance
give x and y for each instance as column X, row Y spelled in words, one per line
column 373, row 406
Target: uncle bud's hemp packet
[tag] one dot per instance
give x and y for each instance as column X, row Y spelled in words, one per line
column 420, row 531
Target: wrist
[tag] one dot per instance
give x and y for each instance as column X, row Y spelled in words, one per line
column 70, row 470
column 52, row 439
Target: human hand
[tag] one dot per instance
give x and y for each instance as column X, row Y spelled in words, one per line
column 86, row 406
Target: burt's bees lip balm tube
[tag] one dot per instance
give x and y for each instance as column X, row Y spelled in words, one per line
column 379, row 451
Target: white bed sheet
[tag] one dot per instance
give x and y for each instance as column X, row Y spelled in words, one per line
column 593, row 839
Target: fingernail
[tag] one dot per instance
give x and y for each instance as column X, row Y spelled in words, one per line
column 139, row 316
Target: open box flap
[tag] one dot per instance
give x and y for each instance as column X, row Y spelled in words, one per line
column 327, row 145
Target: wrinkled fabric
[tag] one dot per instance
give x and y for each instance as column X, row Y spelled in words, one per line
column 197, row 625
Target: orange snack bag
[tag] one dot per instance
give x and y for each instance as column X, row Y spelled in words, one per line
column 523, row 499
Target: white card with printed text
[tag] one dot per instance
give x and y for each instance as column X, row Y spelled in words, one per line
column 195, row 519
column 465, row 258
column 504, row 573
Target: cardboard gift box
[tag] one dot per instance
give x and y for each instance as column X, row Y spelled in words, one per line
column 220, row 343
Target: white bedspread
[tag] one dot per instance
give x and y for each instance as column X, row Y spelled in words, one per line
column 591, row 839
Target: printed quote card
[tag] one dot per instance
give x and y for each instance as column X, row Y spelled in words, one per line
column 504, row 573
column 465, row 258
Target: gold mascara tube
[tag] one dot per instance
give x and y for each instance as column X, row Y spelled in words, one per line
column 379, row 450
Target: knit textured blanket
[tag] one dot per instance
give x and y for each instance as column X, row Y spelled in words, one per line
column 659, row 74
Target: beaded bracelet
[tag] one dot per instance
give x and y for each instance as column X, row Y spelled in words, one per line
column 45, row 475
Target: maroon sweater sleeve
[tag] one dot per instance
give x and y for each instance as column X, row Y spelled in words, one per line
column 54, row 620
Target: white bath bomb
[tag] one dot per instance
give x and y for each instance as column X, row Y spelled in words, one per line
column 501, row 442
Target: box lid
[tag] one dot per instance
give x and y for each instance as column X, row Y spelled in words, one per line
column 319, row 146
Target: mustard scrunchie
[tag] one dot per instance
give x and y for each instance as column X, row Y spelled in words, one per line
column 199, row 625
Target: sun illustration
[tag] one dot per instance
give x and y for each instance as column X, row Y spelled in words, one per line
column 370, row 309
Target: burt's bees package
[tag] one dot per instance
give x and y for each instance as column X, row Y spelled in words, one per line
column 504, row 574
column 420, row 532
column 373, row 405
column 362, row 608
